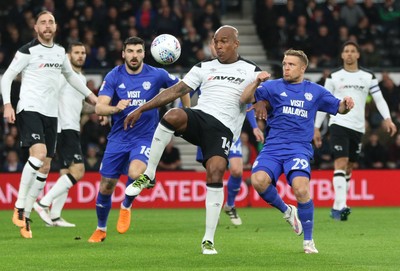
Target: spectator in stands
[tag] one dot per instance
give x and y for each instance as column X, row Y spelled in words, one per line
column 28, row 32
column 209, row 15
column 171, row 158
column 290, row 13
column 168, row 22
column 351, row 13
column 374, row 153
column 371, row 11
column 391, row 93
column 10, row 144
column 316, row 22
column 363, row 32
column 112, row 18
column 93, row 132
column 393, row 160
column 310, row 8
column 146, row 20
column 16, row 13
column 279, row 39
column 191, row 44
column 369, row 55
column 12, row 162
column 324, row 47
column 92, row 158
column 325, row 74
column 265, row 16
column 390, row 17
column 101, row 61
column 301, row 40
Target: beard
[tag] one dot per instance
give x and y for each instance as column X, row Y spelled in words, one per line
column 46, row 37
column 133, row 67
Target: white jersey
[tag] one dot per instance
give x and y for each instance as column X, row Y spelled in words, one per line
column 356, row 85
column 70, row 105
column 221, row 86
column 42, row 68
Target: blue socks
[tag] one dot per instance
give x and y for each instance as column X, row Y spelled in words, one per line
column 233, row 189
column 306, row 216
column 103, row 207
column 128, row 199
column 271, row 197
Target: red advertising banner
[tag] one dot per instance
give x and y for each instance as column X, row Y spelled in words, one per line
column 187, row 189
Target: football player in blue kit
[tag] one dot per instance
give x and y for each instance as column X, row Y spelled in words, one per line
column 291, row 104
column 124, row 89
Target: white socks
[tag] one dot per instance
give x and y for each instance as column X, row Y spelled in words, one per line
column 161, row 138
column 214, row 201
column 34, row 192
column 57, row 205
column 62, row 185
column 27, row 178
column 340, row 186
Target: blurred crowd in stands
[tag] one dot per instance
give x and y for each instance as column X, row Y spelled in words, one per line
column 317, row 27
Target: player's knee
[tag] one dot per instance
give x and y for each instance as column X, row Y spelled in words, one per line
column 176, row 117
column 77, row 171
column 107, row 185
column 78, row 175
column 236, row 171
column 45, row 168
column 259, row 182
column 302, row 193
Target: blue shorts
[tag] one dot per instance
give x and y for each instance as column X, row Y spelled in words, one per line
column 118, row 156
column 276, row 161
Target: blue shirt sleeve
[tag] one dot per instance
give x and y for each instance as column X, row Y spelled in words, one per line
column 251, row 118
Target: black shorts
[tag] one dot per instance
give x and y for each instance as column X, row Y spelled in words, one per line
column 205, row 131
column 36, row 128
column 345, row 142
column 69, row 148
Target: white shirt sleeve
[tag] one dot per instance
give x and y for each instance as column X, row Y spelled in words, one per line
column 319, row 119
column 19, row 62
column 73, row 79
column 381, row 104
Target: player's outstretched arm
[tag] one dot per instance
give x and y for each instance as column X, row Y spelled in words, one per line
column 103, row 107
column 248, row 94
column 317, row 138
column 260, row 109
column 168, row 95
column 346, row 105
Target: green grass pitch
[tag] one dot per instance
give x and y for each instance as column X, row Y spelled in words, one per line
column 169, row 239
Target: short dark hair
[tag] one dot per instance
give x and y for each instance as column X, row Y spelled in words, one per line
column 134, row 41
column 73, row 44
column 350, row 42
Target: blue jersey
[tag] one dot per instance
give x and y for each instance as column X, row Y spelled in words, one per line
column 293, row 109
column 140, row 88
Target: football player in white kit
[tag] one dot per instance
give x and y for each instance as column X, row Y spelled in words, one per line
column 69, row 148
column 42, row 63
column 346, row 131
column 213, row 124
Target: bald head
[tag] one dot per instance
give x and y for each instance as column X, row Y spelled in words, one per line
column 228, row 30
column 226, row 44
